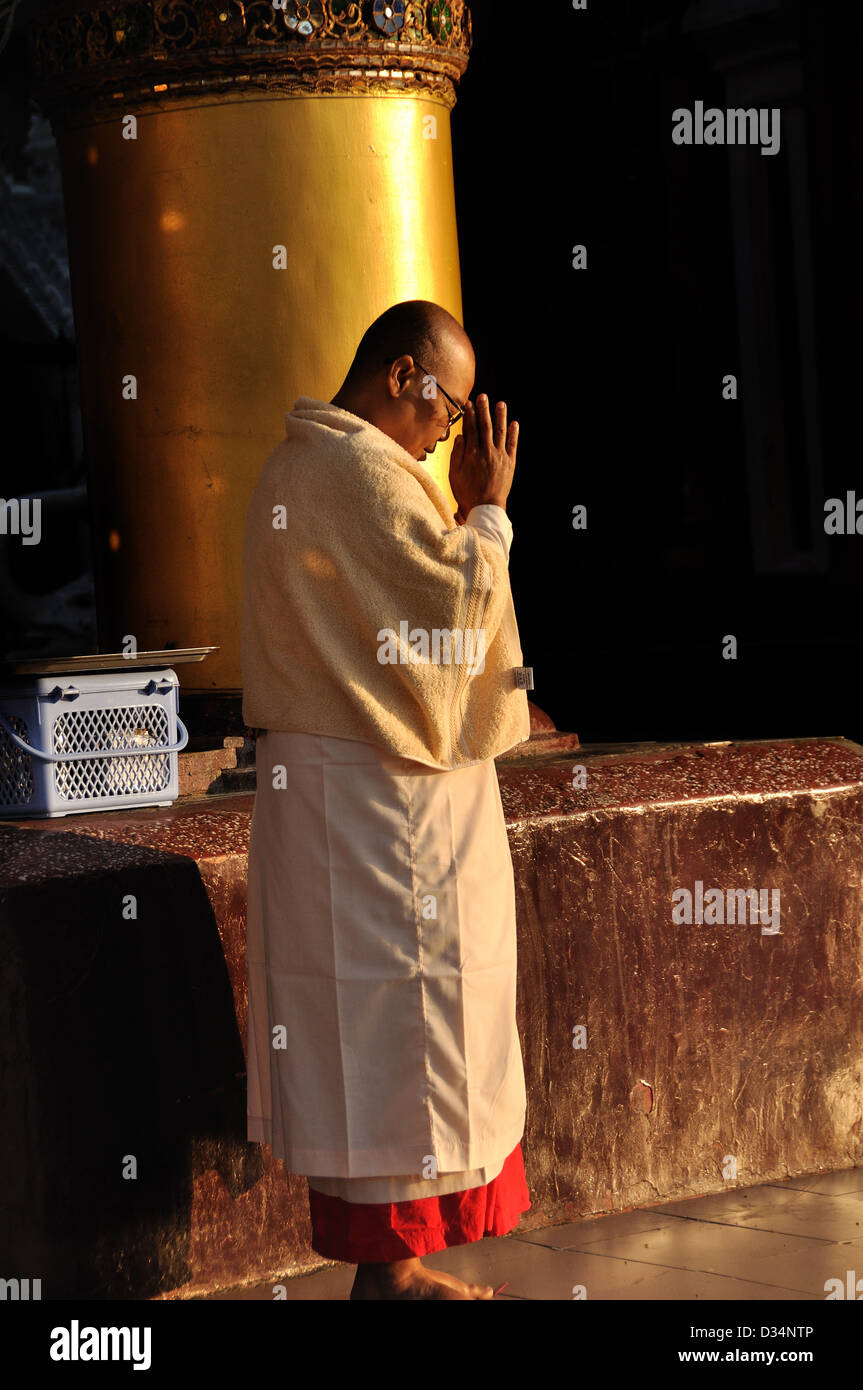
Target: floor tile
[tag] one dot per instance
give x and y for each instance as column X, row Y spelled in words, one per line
column 539, row 1273
column 808, row 1270
column 594, row 1228
column 784, row 1210
column 845, row 1181
column 736, row 1251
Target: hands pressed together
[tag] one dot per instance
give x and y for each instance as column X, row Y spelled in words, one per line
column 483, row 458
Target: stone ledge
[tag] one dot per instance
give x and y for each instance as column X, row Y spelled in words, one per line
column 621, row 777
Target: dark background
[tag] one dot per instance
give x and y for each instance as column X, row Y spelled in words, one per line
column 705, row 516
column 562, row 135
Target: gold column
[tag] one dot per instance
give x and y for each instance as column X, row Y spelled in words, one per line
column 323, row 128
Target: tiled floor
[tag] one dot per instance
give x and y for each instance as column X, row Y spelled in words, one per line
column 777, row 1241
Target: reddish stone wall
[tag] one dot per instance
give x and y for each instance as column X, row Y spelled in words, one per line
column 750, row 1045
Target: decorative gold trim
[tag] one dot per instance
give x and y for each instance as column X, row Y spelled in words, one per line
column 88, row 57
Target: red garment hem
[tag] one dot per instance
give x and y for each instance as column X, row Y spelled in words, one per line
column 378, row 1232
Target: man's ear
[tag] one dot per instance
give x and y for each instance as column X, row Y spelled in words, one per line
column 403, row 368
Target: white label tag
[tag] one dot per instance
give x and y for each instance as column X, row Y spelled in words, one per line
column 523, row 677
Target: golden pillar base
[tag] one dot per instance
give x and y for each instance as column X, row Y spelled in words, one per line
column 196, row 333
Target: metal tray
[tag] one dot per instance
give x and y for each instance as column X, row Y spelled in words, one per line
column 106, row 661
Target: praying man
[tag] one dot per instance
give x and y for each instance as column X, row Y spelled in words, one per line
column 384, row 1062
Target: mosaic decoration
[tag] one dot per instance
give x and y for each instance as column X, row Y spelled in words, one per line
column 389, row 18
column 144, row 50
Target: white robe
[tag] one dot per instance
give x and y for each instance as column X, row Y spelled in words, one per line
column 381, row 944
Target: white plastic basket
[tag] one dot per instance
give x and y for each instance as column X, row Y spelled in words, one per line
column 102, row 741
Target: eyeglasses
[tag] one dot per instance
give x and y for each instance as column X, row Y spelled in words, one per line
column 459, row 409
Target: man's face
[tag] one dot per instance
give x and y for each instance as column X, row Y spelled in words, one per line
column 416, row 409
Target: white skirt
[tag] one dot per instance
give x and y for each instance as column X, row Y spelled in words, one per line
column 381, row 950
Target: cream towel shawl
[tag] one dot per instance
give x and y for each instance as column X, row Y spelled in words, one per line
column 348, row 535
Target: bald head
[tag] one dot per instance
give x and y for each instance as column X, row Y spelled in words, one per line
column 423, row 330
column 407, row 363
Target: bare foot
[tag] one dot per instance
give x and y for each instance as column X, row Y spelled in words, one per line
column 409, row 1279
